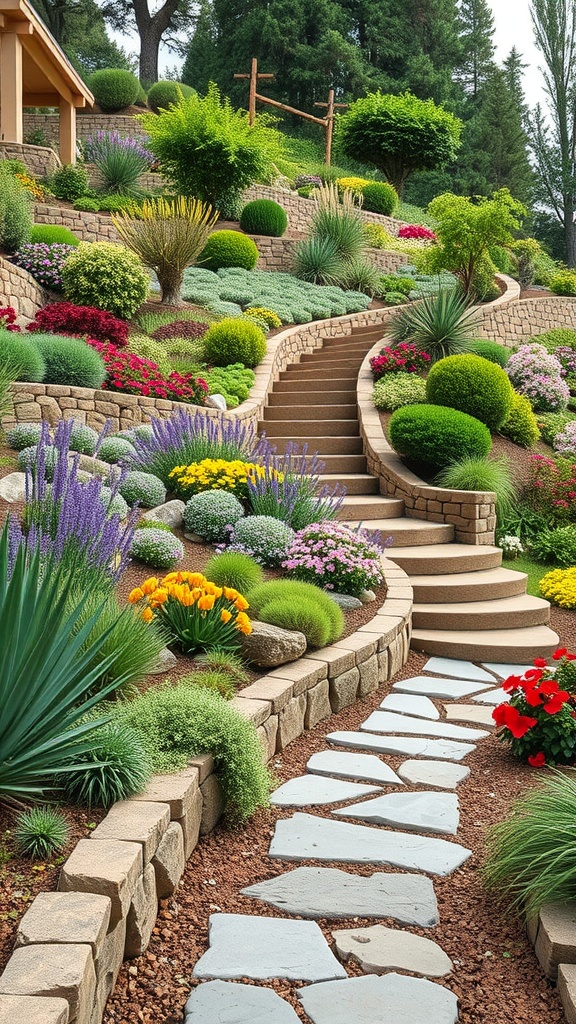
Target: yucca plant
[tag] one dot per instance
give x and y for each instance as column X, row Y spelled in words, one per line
column 441, row 325
column 168, row 235
column 317, row 260
column 339, row 221
column 360, row 275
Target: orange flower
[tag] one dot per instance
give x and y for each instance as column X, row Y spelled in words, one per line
column 158, row 597
column 147, row 615
column 243, row 624
column 241, row 603
column 230, row 594
column 225, row 615
column 206, row 603
column 135, row 595
column 150, row 585
column 186, row 598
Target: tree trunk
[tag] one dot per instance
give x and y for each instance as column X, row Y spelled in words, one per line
column 570, row 235
column 170, row 287
column 149, row 46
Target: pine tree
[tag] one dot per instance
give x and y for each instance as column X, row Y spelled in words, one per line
column 199, row 66
column 514, row 69
column 500, row 139
column 477, row 39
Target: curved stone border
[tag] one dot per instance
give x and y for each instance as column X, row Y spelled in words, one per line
column 19, row 289
column 526, row 317
column 70, row 944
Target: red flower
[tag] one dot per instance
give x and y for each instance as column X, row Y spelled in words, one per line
column 533, row 675
column 540, row 662
column 499, row 714
column 518, row 724
column 556, row 702
column 559, row 653
column 512, row 683
column 537, row 760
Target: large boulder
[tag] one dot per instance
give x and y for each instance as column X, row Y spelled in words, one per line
column 268, row 646
column 170, row 513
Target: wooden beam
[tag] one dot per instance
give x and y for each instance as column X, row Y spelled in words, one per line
column 48, row 69
column 291, row 110
column 21, row 28
column 40, row 99
column 67, row 132
column 11, row 112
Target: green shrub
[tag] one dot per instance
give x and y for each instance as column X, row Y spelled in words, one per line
column 123, row 768
column 157, row 547
column 87, row 203
column 556, row 337
column 70, row 361
column 106, row 276
column 265, row 538
column 164, row 94
column 436, row 434
column 115, row 449
column 23, row 435
column 233, row 569
column 441, row 325
column 521, row 425
column 145, row 488
column 142, row 345
column 83, row 439
column 114, row 89
column 316, row 260
column 40, row 832
column 360, row 275
column 181, row 722
column 286, row 591
column 473, row 385
column 556, row 546
column 380, row 197
column 552, row 423
column 69, row 182
column 229, row 249
column 53, row 234
column 17, row 166
column 480, row 474
column 212, row 679
column 15, row 213
column 211, row 513
column 491, row 350
column 395, row 298
column 397, row 389
column 20, row 351
column 264, row 217
column 563, row 282
column 396, row 283
column 234, row 341
column 300, row 615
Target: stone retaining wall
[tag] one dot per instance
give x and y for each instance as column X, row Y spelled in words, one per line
column 552, row 932
column 300, row 210
column 520, row 320
column 40, row 160
column 276, row 254
column 87, row 122
column 19, row 290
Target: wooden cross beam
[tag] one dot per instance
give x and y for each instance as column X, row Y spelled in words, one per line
column 254, row 76
column 329, row 121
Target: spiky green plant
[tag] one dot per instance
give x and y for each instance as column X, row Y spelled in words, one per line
column 122, row 768
column 317, row 260
column 9, row 372
column 338, row 221
column 40, row 832
column 482, row 474
column 225, row 661
column 441, row 325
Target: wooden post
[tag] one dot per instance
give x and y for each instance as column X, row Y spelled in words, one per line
column 11, row 86
column 67, row 132
column 329, row 122
column 254, row 76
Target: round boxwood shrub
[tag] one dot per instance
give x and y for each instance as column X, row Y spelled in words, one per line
column 264, row 217
column 158, row 548
column 83, row 439
column 521, row 425
column 210, row 514
column 69, row 182
column 234, row 341
column 23, row 435
column 144, row 488
column 162, row 95
column 106, row 276
column 491, row 350
column 437, row 435
column 229, row 249
column 19, row 351
column 53, row 234
column 473, row 385
column 70, row 361
column 380, row 197
column 113, row 449
column 114, row 89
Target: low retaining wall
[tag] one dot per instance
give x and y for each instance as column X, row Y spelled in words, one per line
column 300, row 211
column 552, row 932
column 19, row 290
column 40, row 160
column 517, row 321
column 87, row 122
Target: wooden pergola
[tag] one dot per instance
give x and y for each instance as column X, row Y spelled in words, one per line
column 35, row 72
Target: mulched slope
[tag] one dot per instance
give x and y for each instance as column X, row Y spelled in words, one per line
column 497, row 978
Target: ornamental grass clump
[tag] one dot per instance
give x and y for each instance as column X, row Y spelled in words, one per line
column 335, row 557
column 122, row 768
column 119, row 159
column 440, row 325
column 196, row 614
column 481, row 474
column 233, row 569
column 41, row 831
column 285, row 593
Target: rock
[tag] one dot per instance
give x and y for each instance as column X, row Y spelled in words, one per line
column 242, row 946
column 212, row 804
column 392, row 999
column 493, row 697
column 306, row 837
column 268, row 646
column 169, row 513
column 190, row 824
column 413, row 746
column 367, row 596
column 216, row 402
column 36, row 1009
column 137, row 821
column 317, row 704
column 369, row 676
column 352, row 766
column 194, row 537
column 470, row 713
column 291, row 721
column 503, row 671
column 318, row 789
column 168, row 861
column 13, row 487
column 332, row 893
column 409, row 704
column 458, row 669
column 346, row 602
column 416, row 812
column 388, row 722
column 433, row 773
column 243, row 1004
column 109, row 867
column 378, row 950
column 142, row 914
column 94, row 466
column 556, row 940
column 164, row 663
column 177, row 790
column 107, row 968
column 66, row 917
column 64, row 970
column 343, row 689
column 446, row 689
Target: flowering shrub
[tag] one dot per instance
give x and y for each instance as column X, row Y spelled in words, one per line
column 8, row 319
column 552, row 488
column 566, row 356
column 33, row 187
column 180, row 329
column 559, row 587
column 418, row 232
column 158, row 548
column 138, row 376
column 120, row 160
column 336, row 558
column 537, row 374
column 539, row 721
column 199, row 615
column 212, row 515
column 565, row 441
column 511, row 545
column 44, row 262
column 404, row 357
column 67, row 318
column 216, row 474
column 398, row 389
column 264, row 538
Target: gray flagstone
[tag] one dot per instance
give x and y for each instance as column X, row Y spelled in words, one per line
column 416, row 812
column 387, row 722
column 413, row 746
column 391, row 999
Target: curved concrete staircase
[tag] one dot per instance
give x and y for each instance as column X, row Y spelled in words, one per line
column 465, row 604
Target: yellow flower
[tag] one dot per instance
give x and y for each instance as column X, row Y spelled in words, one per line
column 149, row 585
column 241, row 603
column 243, row 623
column 230, row 594
column 158, row 597
column 225, row 615
column 135, row 595
column 147, row 615
column 206, row 603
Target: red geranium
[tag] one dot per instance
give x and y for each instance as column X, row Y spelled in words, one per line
column 537, row 760
column 539, row 721
column 135, row 375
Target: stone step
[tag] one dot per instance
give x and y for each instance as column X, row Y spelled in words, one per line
column 374, row 510
column 322, row 445
column 296, row 372
column 335, row 465
column 499, row 613
column 288, row 399
column 407, row 532
column 316, row 359
column 501, row 645
column 461, row 587
column 310, row 428
column 297, row 385
column 362, row 346
column 344, row 411
column 355, row 483
column 441, row 559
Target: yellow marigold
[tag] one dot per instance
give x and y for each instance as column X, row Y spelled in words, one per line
column 243, row 623
column 147, row 615
column 135, row 595
column 225, row 615
column 230, row 594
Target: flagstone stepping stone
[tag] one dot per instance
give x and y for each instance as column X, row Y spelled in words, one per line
column 493, row 697
column 503, row 671
column 242, row 946
column 352, row 766
column 470, row 713
column 390, row 999
column 458, row 669
column 413, row 746
column 417, row 812
column 378, row 950
column 222, row 1002
column 330, row 892
column 316, row 789
column 386, row 721
column 306, row 837
column 446, row 689
column 408, row 704
column 433, row 773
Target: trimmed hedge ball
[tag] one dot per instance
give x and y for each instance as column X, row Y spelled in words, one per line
column 380, row 197
column 158, row 548
column 23, row 435
column 210, row 514
column 107, row 276
column 83, row 439
column 70, row 361
column 228, row 249
column 521, row 425
column 491, row 350
column 264, row 217
column 234, row 341
column 144, row 488
column 472, row 385
column 437, row 434
column 114, row 89
column 113, row 449
column 168, row 93
column 19, row 351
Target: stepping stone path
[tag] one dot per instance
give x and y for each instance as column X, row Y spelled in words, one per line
column 400, row 831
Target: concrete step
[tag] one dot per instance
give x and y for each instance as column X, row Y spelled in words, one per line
column 355, row 483
column 371, row 510
column 303, row 372
column 312, row 412
column 498, row 613
column 323, row 358
column 296, row 385
column 289, row 399
column 346, row 345
column 322, row 445
column 439, row 559
column 310, row 428
column 509, row 646
column 468, row 586
column 335, row 465
column 405, row 532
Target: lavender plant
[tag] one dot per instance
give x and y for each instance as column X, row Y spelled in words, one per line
column 291, row 490
column 44, row 262
column 120, row 161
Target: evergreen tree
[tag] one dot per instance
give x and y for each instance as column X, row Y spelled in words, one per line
column 514, row 69
column 500, row 141
column 199, row 66
column 476, row 26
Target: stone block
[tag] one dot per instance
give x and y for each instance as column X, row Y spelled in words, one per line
column 383, row 672
column 135, row 821
column 107, row 968
column 343, row 689
column 291, row 721
column 336, row 659
column 190, row 824
column 77, row 917
column 65, row 971
column 267, row 733
column 212, row 804
column 108, row 867
column 177, row 790
column 556, row 939
column 278, row 692
column 33, row 1010
column 142, row 913
column 303, row 674
column 317, row 704
column 169, row 861
column 566, row 991
column 256, row 711
column 205, row 765
column 368, row 676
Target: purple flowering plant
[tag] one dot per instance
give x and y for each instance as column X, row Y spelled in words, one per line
column 565, row 441
column 337, row 558
column 120, row 160
column 44, row 262
column 290, row 489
